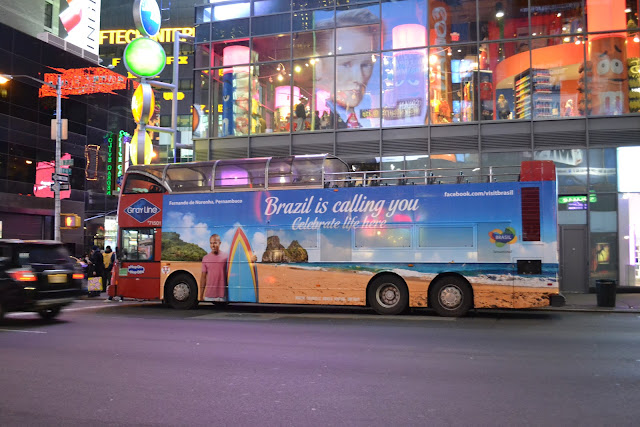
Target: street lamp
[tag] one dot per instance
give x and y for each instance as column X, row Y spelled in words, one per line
column 56, row 183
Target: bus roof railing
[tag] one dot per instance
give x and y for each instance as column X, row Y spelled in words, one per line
column 423, row 176
column 318, row 171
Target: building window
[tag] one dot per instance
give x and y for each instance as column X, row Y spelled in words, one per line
column 48, row 15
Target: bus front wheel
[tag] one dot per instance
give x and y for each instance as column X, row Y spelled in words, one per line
column 182, row 292
column 388, row 295
column 451, row 296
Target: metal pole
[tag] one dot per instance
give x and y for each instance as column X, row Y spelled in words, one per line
column 56, row 185
column 174, row 98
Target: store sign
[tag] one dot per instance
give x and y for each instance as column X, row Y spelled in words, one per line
column 115, row 160
column 144, row 57
column 165, row 35
column 81, row 23
column 83, row 81
column 563, row 200
column 146, row 15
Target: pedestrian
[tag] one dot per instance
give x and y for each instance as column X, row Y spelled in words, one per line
column 301, row 115
column 97, row 265
column 109, row 259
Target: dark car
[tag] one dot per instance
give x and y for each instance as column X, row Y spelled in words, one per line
column 37, row 276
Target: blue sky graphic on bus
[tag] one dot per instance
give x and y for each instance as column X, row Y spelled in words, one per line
column 437, row 223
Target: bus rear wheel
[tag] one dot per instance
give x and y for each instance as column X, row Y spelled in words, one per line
column 182, row 292
column 388, row 295
column 451, row 296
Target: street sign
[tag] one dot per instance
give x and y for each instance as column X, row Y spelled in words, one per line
column 64, row 187
column 66, row 162
column 60, row 177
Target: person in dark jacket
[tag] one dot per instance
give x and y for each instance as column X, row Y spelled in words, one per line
column 97, row 263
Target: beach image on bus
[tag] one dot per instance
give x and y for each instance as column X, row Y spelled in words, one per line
column 310, row 230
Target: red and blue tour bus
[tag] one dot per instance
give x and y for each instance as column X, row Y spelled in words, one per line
column 309, row 230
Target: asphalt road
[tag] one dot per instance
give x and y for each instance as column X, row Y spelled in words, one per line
column 145, row 364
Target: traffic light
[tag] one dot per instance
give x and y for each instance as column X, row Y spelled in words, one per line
column 70, row 221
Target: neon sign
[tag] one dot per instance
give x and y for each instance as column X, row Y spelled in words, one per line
column 83, row 81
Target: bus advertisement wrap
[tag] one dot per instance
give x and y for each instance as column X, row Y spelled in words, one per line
column 323, row 246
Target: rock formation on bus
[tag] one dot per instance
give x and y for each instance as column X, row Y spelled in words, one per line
column 276, row 252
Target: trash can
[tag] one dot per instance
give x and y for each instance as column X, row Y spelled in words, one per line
column 606, row 292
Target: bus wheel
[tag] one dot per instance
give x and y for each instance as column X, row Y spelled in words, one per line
column 388, row 295
column 451, row 296
column 182, row 292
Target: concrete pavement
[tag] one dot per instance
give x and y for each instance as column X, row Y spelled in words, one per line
column 625, row 303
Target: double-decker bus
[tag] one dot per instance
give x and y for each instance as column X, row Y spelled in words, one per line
column 309, row 230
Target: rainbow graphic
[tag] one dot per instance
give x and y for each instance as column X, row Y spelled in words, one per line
column 242, row 276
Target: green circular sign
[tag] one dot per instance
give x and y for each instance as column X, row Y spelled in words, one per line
column 144, row 57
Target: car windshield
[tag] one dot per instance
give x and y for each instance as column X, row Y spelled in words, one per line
column 44, row 254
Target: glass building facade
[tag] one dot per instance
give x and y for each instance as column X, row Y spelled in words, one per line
column 463, row 85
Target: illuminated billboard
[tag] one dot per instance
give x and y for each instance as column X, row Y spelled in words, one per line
column 81, row 24
column 44, row 178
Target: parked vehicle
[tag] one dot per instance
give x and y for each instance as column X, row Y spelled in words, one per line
column 37, row 276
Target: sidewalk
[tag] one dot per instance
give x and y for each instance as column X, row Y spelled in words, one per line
column 625, row 303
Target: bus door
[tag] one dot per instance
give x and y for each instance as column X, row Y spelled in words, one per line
column 139, row 272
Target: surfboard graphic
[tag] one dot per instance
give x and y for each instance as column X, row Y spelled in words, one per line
column 242, row 273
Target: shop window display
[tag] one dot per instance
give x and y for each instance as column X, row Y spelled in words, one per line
column 555, row 77
column 557, row 17
column 272, row 48
column 603, row 237
column 404, row 88
column 609, row 77
column 504, row 88
column 269, row 104
column 502, row 19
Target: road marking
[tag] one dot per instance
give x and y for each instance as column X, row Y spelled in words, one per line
column 26, row 332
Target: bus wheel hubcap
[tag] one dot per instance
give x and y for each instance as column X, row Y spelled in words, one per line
column 181, row 291
column 388, row 296
column 451, row 296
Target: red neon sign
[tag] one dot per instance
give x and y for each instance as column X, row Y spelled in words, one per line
column 83, row 81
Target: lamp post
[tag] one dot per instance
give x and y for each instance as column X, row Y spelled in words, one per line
column 56, row 183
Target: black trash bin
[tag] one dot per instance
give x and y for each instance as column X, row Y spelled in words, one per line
column 606, row 292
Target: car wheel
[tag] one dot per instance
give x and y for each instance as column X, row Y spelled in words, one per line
column 451, row 296
column 182, row 292
column 49, row 313
column 388, row 295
